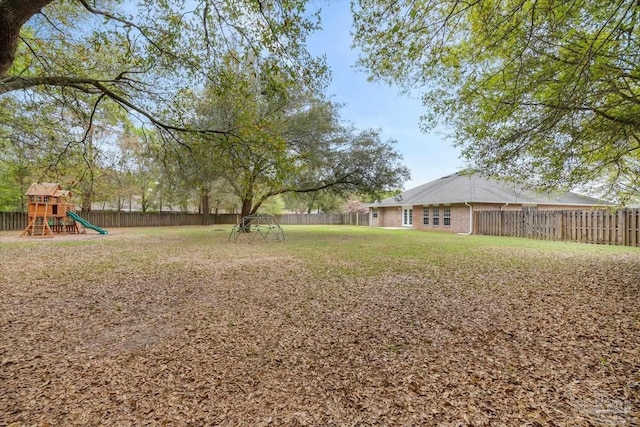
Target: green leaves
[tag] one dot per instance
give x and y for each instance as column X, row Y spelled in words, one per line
column 545, row 90
column 140, row 57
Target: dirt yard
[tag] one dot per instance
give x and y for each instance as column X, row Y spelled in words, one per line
column 181, row 328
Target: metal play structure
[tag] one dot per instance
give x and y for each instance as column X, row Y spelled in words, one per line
column 255, row 225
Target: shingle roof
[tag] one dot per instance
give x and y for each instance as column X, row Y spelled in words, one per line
column 472, row 188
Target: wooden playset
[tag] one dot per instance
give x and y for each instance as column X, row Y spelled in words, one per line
column 51, row 210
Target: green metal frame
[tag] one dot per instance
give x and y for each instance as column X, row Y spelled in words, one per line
column 255, row 225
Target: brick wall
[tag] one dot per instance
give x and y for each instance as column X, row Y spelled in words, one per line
column 392, row 216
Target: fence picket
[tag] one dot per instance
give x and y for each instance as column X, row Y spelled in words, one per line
column 633, row 228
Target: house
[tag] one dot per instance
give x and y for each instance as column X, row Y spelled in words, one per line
column 448, row 203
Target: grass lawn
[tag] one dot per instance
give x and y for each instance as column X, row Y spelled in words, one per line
column 336, row 326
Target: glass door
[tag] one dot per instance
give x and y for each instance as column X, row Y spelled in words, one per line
column 407, row 216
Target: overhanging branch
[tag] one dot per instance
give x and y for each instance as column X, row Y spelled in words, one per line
column 342, row 180
column 95, row 86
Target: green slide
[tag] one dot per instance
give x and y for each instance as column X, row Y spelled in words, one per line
column 85, row 223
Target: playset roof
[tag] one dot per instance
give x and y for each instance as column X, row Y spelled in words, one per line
column 47, row 189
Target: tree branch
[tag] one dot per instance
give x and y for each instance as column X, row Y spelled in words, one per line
column 94, row 86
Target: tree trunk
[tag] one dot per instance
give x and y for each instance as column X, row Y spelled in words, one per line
column 87, row 196
column 13, row 14
column 143, row 202
column 204, row 203
column 245, row 227
column 313, row 200
column 246, row 207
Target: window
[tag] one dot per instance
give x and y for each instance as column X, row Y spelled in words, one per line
column 375, row 214
column 446, row 216
column 436, row 215
column 529, row 209
column 425, row 215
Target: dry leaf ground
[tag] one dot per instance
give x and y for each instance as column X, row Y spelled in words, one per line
column 335, row 326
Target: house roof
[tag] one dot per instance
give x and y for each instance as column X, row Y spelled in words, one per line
column 464, row 187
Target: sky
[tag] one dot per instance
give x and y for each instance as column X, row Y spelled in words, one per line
column 378, row 106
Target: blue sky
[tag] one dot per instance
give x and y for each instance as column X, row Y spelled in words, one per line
column 375, row 105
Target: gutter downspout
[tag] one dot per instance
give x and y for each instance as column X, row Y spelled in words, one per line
column 470, row 221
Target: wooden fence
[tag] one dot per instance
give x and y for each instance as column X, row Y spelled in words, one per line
column 323, row 219
column 601, row 226
column 13, row 221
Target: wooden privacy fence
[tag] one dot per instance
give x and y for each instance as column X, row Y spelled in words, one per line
column 13, row 221
column 323, row 219
column 599, row 226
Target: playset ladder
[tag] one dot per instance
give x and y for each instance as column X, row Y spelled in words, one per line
column 38, row 225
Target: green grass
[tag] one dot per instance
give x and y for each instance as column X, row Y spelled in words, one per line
column 325, row 251
column 363, row 249
column 358, row 243
column 400, row 241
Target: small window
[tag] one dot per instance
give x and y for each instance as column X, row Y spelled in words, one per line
column 446, row 216
column 425, row 215
column 375, row 214
column 436, row 215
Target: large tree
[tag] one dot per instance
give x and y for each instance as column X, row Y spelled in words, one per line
column 287, row 140
column 141, row 57
column 545, row 90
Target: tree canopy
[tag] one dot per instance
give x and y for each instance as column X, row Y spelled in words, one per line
column 542, row 90
column 141, row 57
column 286, row 139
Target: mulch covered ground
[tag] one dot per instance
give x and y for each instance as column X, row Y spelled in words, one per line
column 154, row 330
